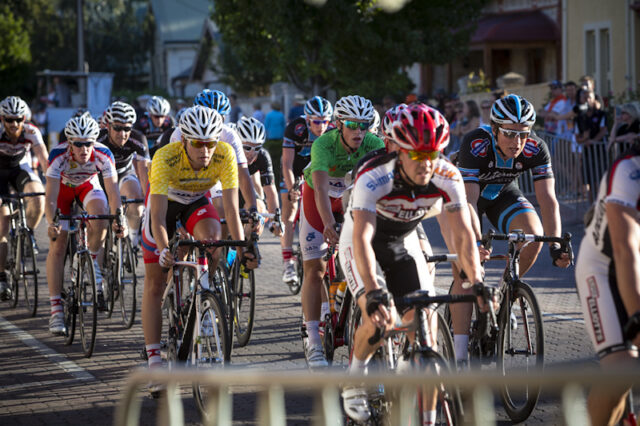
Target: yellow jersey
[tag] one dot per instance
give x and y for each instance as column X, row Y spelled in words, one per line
column 171, row 173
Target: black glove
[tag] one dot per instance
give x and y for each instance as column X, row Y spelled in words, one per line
column 556, row 251
column 377, row 297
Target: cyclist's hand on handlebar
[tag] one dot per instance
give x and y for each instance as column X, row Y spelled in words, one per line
column 121, row 231
column 559, row 256
column 275, row 228
column 380, row 308
column 250, row 260
column 166, row 259
column 293, row 195
column 484, row 253
column 54, row 230
column 330, row 234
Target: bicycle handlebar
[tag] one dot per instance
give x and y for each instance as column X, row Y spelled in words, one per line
column 521, row 237
column 441, row 258
column 23, row 195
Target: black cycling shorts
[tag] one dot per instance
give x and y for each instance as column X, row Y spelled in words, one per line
column 501, row 211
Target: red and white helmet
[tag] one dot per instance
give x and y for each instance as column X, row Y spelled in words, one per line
column 389, row 118
column 418, row 127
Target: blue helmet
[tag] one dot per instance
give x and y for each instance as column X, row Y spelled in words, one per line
column 213, row 99
column 513, row 109
column 318, row 107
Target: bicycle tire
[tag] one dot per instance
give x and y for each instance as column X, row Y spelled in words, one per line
column 87, row 309
column 209, row 344
column 295, row 287
column 244, row 301
column 354, row 320
column 110, row 267
column 69, row 299
column 29, row 273
column 220, row 284
column 12, row 272
column 174, row 330
column 127, row 281
column 522, row 300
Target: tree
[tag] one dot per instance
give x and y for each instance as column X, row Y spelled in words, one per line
column 14, row 40
column 347, row 45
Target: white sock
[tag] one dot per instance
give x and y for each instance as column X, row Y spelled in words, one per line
column 324, row 310
column 134, row 236
column 153, row 355
column 428, row 418
column 313, row 331
column 357, row 365
column 56, row 305
column 461, row 344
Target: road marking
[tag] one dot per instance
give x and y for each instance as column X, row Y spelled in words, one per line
column 70, row 367
column 23, row 386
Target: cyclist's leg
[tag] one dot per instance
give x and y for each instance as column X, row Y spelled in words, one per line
column 130, row 188
column 5, row 290
column 289, row 210
column 29, row 181
column 203, row 223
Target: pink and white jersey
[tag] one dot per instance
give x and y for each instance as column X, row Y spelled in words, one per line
column 399, row 206
column 227, row 135
column 11, row 153
column 62, row 165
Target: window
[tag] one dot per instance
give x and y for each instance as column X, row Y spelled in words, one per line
column 597, row 61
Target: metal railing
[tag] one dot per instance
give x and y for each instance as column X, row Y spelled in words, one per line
column 325, row 388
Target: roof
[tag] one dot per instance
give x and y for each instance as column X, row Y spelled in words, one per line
column 528, row 26
column 180, row 20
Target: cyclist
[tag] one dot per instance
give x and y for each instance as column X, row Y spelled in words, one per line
column 219, row 102
column 333, row 155
column 180, row 178
column 393, row 192
column 155, row 121
column 252, row 135
column 490, row 159
column 73, row 174
column 132, row 158
column 608, row 278
column 299, row 135
column 17, row 138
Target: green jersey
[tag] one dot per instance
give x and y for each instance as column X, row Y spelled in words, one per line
column 328, row 155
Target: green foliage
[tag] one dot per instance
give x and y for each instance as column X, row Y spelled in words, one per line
column 346, row 45
column 14, row 40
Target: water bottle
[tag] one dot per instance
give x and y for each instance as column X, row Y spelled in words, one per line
column 231, row 256
column 342, row 287
column 333, row 289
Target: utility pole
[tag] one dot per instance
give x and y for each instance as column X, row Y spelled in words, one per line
column 80, row 15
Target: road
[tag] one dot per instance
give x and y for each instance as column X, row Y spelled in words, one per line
column 42, row 381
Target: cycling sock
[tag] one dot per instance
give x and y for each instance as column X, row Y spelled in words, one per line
column 358, row 365
column 153, row 355
column 461, row 344
column 56, row 304
column 287, row 254
column 313, row 332
column 428, row 418
column 97, row 270
column 134, row 237
column 324, row 310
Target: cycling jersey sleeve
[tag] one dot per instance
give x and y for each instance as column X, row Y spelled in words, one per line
column 322, row 153
column 56, row 160
column 161, row 170
column 265, row 167
column 623, row 183
column 473, row 151
column 296, row 133
column 33, row 134
column 449, row 182
column 373, row 181
column 231, row 137
column 536, row 153
column 225, row 159
column 105, row 162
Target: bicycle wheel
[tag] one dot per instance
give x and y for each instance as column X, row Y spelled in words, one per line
column 29, row 272
column 354, row 320
column 520, row 347
column 88, row 309
column 244, row 301
column 220, row 284
column 13, row 272
column 209, row 343
column 127, row 281
column 69, row 299
column 173, row 330
column 110, row 271
column 295, row 286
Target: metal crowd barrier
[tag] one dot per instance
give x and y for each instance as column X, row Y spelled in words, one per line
column 325, row 387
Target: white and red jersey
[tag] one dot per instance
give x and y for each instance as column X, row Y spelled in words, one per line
column 12, row 153
column 399, row 206
column 227, row 135
column 62, row 165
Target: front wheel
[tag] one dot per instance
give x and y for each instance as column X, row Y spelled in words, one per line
column 209, row 346
column 87, row 309
column 520, row 348
column 244, row 301
column 28, row 270
column 13, row 273
column 127, row 281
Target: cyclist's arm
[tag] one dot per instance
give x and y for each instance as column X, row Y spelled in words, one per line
column 321, row 191
column 464, row 241
column 41, row 154
column 142, row 169
column 624, row 231
column 272, row 197
column 364, row 227
column 472, row 190
column 158, row 210
column 113, row 193
column 246, row 187
column 257, row 185
column 549, row 207
column 288, row 155
column 231, row 213
column 52, row 190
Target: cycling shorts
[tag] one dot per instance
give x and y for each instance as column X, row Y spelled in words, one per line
column 506, row 206
column 84, row 193
column 604, row 312
column 311, row 237
column 18, row 177
column 188, row 214
column 128, row 175
column 400, row 260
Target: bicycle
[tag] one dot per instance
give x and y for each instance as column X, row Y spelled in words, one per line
column 433, row 354
column 79, row 297
column 21, row 259
column 296, row 286
column 519, row 313
column 119, row 266
column 197, row 331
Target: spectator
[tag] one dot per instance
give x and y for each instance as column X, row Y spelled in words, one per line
column 555, row 107
column 449, row 109
column 626, row 124
column 590, row 128
column 257, row 112
column 297, row 109
column 454, row 124
column 470, row 119
column 235, row 112
column 485, row 110
column 274, row 124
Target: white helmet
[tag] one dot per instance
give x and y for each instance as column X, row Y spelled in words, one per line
column 158, row 105
column 354, row 107
column 14, row 106
column 233, row 126
column 376, row 121
column 121, row 112
column 251, row 130
column 318, row 107
column 83, row 127
column 200, row 122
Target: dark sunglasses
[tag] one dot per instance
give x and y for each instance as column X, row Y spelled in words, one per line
column 249, row 148
column 353, row 125
column 202, row 144
column 319, row 122
column 512, row 134
column 121, row 128
column 157, row 116
column 82, row 144
column 14, row 119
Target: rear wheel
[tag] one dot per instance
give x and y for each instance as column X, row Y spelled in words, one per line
column 244, row 299
column 110, row 271
column 69, row 297
column 295, row 286
column 220, row 284
column 88, row 310
column 127, row 281
column 29, row 272
column 13, row 273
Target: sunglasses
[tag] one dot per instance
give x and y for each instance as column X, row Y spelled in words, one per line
column 82, row 144
column 319, row 122
column 353, row 125
column 422, row 155
column 13, row 120
column 157, row 116
column 250, row 148
column 202, row 144
column 512, row 134
column 121, row 128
